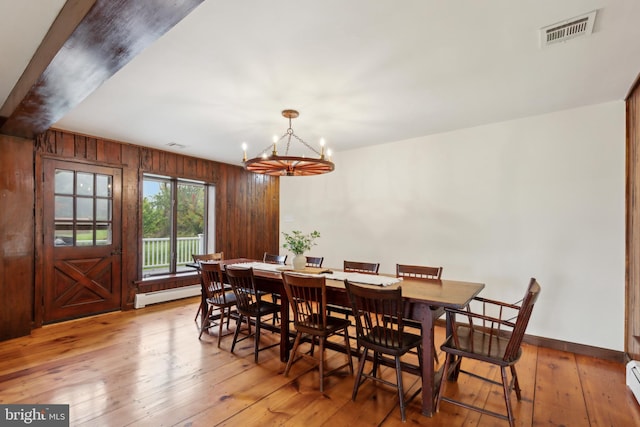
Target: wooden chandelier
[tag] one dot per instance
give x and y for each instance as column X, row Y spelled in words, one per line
column 274, row 164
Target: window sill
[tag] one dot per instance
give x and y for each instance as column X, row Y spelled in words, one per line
column 166, row 281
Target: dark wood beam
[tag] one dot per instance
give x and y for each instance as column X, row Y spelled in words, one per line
column 88, row 42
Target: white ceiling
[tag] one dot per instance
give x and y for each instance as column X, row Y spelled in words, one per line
column 360, row 72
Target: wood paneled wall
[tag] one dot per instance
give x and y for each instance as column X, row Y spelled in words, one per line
column 16, row 236
column 632, row 318
column 247, row 211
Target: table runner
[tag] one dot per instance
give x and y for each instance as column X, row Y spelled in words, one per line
column 367, row 279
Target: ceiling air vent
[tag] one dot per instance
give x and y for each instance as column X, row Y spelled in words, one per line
column 571, row 28
column 176, row 145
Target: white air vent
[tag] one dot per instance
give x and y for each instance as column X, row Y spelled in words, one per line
column 562, row 31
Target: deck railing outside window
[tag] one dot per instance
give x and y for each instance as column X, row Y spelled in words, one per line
column 156, row 254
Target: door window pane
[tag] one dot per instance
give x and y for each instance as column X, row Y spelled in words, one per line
column 63, row 208
column 64, row 182
column 64, row 234
column 84, row 209
column 84, row 234
column 103, row 186
column 84, row 184
column 103, row 234
column 103, row 209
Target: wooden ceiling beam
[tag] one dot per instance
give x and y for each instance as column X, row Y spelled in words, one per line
column 89, row 41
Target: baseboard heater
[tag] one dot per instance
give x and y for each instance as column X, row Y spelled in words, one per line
column 144, row 299
column 633, row 378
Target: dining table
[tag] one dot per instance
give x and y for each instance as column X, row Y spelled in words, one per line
column 424, row 299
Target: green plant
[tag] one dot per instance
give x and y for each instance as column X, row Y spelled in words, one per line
column 298, row 243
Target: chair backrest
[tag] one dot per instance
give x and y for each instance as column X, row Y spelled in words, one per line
column 213, row 286
column 216, row 256
column 274, row 259
column 524, row 314
column 361, row 267
column 315, row 261
column 308, row 300
column 243, row 285
column 418, row 272
column 372, row 309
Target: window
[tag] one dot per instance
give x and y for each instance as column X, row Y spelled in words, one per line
column 174, row 223
column 83, row 208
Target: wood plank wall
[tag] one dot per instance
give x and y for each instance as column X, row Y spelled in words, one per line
column 632, row 318
column 247, row 211
column 16, row 236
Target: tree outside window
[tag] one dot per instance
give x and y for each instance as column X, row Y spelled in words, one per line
column 173, row 223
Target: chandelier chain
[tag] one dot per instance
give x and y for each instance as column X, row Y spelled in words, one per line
column 306, row 145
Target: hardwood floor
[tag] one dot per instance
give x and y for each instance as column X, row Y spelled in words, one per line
column 148, row 368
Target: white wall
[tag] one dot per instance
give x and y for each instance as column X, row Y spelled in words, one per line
column 537, row 197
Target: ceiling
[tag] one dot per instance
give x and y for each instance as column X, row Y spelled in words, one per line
column 360, row 72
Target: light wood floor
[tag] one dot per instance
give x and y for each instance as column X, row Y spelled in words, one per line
column 148, row 368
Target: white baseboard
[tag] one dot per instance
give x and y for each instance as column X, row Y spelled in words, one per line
column 143, row 300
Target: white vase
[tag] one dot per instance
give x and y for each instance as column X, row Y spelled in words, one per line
column 299, row 262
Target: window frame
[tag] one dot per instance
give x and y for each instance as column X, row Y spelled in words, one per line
column 173, row 183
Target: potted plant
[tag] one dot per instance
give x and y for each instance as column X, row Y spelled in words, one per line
column 298, row 243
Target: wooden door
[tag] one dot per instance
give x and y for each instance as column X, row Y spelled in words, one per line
column 81, row 240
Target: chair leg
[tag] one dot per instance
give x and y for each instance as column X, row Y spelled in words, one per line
column 443, row 380
column 507, row 394
column 321, row 364
column 356, row 383
column 348, row 347
column 516, row 385
column 294, row 352
column 275, row 317
column 374, row 371
column 206, row 322
column 237, row 332
column 400, row 388
column 256, row 346
column 221, row 324
column 457, row 367
column 198, row 312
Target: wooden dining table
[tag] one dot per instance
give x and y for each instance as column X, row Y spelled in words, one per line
column 426, row 300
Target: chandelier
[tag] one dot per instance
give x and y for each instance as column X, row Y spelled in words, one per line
column 274, row 164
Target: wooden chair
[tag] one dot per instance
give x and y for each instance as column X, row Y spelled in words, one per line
column 361, row 267
column 249, row 305
column 315, row 261
column 217, row 297
column 274, row 259
column 215, row 256
column 371, row 306
column 492, row 338
column 354, row 267
column 420, row 272
column 308, row 301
